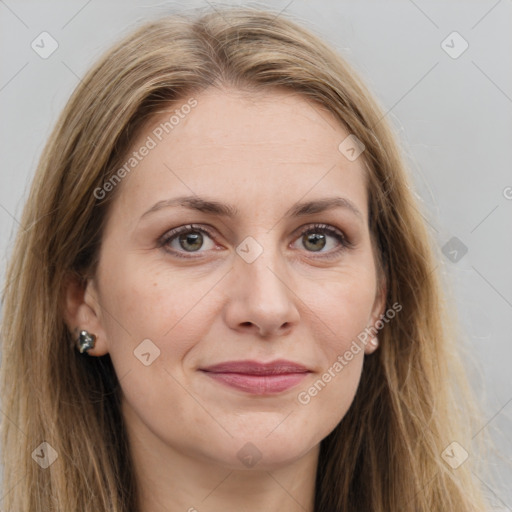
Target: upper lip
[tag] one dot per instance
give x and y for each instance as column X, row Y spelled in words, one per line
column 280, row 366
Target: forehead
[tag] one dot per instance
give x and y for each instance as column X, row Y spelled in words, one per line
column 264, row 147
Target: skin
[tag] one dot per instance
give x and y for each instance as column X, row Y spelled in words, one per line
column 261, row 153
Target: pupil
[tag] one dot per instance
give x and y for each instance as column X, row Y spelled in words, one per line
column 192, row 238
column 316, row 240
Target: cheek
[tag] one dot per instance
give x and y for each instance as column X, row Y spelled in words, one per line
column 156, row 317
column 341, row 312
column 345, row 304
column 147, row 303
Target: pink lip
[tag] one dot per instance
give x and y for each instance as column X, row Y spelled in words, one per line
column 258, row 378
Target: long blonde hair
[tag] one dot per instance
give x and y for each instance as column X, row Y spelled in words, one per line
column 386, row 453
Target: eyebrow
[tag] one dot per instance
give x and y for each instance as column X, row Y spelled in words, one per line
column 225, row 210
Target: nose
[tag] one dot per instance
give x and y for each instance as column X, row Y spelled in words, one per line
column 261, row 297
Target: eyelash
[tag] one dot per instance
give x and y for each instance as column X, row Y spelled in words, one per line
column 315, row 228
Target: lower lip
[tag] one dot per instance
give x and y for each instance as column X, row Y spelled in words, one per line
column 259, row 384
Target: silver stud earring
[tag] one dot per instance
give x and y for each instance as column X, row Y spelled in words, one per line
column 85, row 341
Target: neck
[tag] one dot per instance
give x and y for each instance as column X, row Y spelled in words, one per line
column 172, row 481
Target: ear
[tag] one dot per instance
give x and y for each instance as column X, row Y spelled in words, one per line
column 82, row 311
column 377, row 313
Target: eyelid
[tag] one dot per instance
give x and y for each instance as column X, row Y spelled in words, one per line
column 332, row 230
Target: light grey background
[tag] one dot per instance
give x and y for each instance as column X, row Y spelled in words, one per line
column 453, row 117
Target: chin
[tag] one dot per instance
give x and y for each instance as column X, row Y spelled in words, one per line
column 265, row 451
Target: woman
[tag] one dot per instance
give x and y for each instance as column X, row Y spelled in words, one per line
column 294, row 356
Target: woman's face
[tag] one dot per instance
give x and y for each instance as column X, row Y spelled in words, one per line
column 244, row 284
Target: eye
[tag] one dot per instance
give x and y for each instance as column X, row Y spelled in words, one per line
column 191, row 238
column 185, row 239
column 315, row 238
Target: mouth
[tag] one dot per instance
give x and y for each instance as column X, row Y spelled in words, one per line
column 258, row 378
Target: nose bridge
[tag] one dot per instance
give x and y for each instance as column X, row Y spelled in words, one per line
column 260, row 293
column 257, row 258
